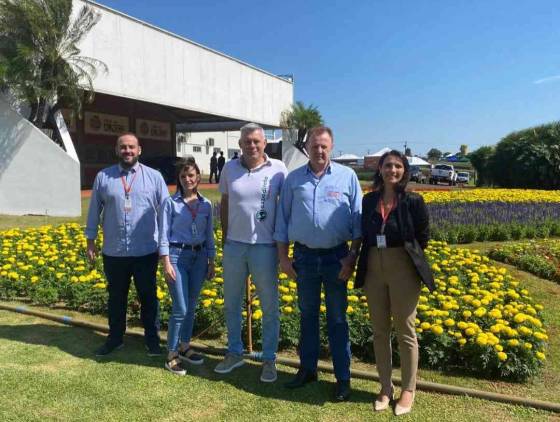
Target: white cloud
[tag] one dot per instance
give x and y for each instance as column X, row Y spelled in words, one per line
column 547, row 79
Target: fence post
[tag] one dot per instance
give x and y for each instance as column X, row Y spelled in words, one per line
column 249, row 316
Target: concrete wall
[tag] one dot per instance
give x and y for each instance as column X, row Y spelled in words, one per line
column 150, row 64
column 36, row 175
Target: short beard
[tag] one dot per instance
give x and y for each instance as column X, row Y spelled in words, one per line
column 127, row 165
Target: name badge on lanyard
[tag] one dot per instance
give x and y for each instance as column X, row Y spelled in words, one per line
column 127, row 189
column 381, row 238
column 194, row 228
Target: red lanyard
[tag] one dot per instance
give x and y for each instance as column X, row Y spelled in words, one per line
column 193, row 212
column 128, row 188
column 384, row 216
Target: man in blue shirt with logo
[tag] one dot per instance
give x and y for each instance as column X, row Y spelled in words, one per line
column 320, row 210
column 126, row 198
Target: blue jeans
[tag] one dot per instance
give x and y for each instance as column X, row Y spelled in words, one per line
column 315, row 267
column 190, row 269
column 261, row 261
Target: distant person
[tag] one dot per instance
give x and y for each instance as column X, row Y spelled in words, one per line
column 128, row 195
column 187, row 251
column 395, row 228
column 235, row 156
column 320, row 211
column 250, row 187
column 221, row 164
column 213, row 168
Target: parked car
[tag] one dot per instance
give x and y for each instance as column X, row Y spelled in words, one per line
column 463, row 177
column 416, row 175
column 443, row 173
column 165, row 165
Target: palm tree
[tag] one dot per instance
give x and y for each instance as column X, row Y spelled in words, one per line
column 40, row 62
column 301, row 118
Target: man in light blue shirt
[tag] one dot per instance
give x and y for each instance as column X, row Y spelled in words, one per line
column 126, row 198
column 320, row 211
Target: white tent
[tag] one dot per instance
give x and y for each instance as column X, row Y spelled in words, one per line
column 417, row 161
column 346, row 158
column 379, row 153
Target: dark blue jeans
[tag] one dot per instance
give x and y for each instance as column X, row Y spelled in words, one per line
column 119, row 271
column 315, row 268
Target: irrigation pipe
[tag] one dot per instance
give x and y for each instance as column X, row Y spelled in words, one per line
column 420, row 385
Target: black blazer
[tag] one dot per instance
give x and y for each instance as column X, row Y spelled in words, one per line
column 414, row 224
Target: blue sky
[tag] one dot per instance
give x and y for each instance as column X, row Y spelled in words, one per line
column 431, row 73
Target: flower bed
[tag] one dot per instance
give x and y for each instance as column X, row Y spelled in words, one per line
column 478, row 320
column 541, row 258
column 464, row 216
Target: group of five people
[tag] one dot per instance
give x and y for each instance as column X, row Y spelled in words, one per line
column 317, row 207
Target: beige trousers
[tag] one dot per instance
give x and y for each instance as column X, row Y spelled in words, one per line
column 392, row 288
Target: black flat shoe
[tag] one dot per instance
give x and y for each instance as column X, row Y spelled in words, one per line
column 302, row 377
column 342, row 390
column 108, row 348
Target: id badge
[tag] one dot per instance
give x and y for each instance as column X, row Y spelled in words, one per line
column 381, row 241
column 194, row 229
column 127, row 204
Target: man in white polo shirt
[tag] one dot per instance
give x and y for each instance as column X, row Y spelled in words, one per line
column 250, row 188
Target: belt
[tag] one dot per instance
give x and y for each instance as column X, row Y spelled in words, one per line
column 319, row 251
column 187, row 246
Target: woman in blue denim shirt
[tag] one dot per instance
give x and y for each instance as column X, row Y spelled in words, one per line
column 187, row 251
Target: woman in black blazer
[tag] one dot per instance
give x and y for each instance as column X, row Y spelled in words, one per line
column 391, row 267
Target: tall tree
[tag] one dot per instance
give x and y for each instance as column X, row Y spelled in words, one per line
column 434, row 154
column 40, row 62
column 481, row 160
column 464, row 149
column 301, row 118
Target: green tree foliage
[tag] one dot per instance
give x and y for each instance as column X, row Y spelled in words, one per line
column 464, row 149
column 434, row 154
column 301, row 118
column 480, row 160
column 40, row 62
column 529, row 158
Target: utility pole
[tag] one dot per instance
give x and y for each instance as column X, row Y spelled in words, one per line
column 405, row 145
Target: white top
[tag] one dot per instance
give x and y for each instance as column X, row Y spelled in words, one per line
column 252, row 197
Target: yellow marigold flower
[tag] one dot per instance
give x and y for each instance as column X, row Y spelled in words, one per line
column 502, row 356
column 287, row 298
column 528, row 346
column 219, row 301
column 437, row 330
column 462, row 341
column 282, row 276
column 323, row 308
column 513, row 342
column 470, row 331
column 287, row 309
column 467, row 314
column 99, row 285
column 207, row 302
column 498, row 347
column 425, row 325
column 349, row 310
column 449, row 322
column 540, row 355
column 257, row 314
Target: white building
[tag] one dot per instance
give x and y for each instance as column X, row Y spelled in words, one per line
column 157, row 81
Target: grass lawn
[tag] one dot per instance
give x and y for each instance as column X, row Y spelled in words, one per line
column 50, row 373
